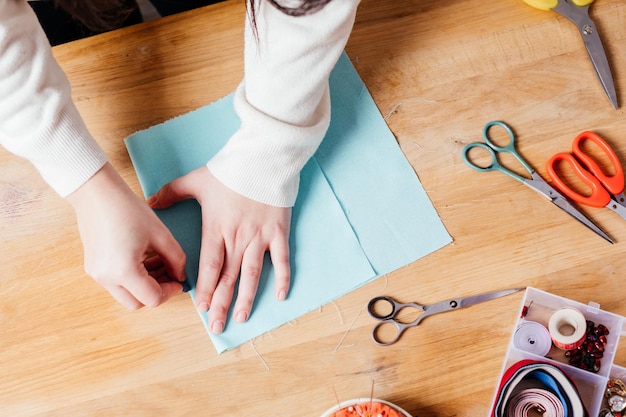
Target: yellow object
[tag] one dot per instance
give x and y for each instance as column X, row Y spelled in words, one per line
column 551, row 4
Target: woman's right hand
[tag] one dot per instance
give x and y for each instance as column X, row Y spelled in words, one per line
column 127, row 249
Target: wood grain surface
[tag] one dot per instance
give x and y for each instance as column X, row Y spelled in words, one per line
column 438, row 71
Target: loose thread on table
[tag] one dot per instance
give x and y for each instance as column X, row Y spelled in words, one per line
column 251, row 342
column 422, row 147
column 392, row 111
column 337, row 397
column 345, row 335
column 386, row 284
column 395, row 108
column 347, row 331
column 338, row 312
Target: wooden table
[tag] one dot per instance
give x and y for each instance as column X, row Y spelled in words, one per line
column 438, row 71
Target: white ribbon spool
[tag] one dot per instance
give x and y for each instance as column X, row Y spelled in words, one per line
column 532, row 337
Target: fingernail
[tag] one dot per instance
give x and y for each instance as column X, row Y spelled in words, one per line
column 282, row 295
column 180, row 277
column 151, row 199
column 203, row 307
column 242, row 316
column 217, row 326
column 186, row 286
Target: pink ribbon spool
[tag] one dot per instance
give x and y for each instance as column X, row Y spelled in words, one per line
column 530, row 401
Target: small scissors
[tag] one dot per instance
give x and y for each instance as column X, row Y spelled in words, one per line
column 535, row 182
column 428, row 310
column 577, row 12
column 606, row 190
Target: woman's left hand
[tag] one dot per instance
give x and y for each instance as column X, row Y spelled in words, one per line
column 236, row 233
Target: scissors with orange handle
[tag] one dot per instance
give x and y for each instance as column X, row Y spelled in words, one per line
column 535, row 182
column 606, row 190
column 577, row 12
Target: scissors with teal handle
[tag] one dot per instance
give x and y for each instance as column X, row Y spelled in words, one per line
column 535, row 181
column 577, row 12
column 387, row 317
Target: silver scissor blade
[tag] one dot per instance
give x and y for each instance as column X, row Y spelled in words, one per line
column 481, row 298
column 600, row 62
column 572, row 211
column 542, row 187
column 591, row 37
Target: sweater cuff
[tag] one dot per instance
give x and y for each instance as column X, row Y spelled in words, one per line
column 263, row 159
column 72, row 158
column 284, row 100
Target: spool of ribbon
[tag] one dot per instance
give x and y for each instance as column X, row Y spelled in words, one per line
column 532, row 337
column 537, row 376
column 567, row 327
column 532, row 400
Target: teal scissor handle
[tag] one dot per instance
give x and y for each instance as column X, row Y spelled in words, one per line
column 493, row 149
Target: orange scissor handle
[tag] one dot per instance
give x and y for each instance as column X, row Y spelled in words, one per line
column 599, row 196
column 613, row 183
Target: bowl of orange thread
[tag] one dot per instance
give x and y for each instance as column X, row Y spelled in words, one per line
column 366, row 407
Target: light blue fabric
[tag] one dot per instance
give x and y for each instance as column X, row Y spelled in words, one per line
column 361, row 211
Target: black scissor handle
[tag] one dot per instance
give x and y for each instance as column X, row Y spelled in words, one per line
column 388, row 330
column 382, row 300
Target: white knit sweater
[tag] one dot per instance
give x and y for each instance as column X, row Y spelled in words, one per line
column 283, row 102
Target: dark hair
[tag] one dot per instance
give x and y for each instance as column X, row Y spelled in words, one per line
column 103, row 15
column 98, row 15
column 303, row 7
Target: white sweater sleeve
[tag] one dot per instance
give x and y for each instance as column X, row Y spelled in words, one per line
column 38, row 119
column 283, row 101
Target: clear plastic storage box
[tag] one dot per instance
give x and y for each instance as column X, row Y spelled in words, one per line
column 539, row 306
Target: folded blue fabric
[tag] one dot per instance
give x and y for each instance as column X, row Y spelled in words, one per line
column 361, row 211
